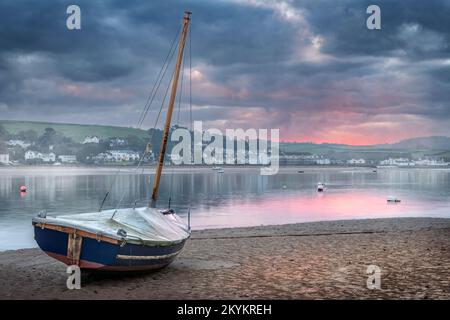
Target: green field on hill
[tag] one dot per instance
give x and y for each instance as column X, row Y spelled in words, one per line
column 415, row 148
column 75, row 131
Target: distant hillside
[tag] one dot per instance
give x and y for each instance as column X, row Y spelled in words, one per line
column 415, row 147
column 75, row 131
column 410, row 148
column 427, row 143
column 322, row 148
column 413, row 144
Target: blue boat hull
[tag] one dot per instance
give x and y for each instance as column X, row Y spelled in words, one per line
column 102, row 255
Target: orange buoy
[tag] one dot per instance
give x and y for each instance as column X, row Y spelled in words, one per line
column 23, row 189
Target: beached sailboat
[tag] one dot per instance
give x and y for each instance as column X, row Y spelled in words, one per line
column 121, row 239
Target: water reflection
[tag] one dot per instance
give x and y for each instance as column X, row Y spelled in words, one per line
column 235, row 198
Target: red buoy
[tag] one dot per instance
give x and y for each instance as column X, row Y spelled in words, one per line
column 23, row 189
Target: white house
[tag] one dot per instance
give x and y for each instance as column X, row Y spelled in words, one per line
column 401, row 162
column 48, row 157
column 89, row 139
column 104, row 156
column 356, row 161
column 323, row 161
column 124, row 155
column 4, row 158
column 30, row 155
column 116, row 142
column 430, row 162
column 20, row 143
column 67, row 158
column 45, row 157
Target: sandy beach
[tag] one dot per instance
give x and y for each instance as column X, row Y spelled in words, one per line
column 322, row 260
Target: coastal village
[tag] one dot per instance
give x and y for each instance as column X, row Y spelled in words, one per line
column 117, row 152
column 321, row 160
column 51, row 147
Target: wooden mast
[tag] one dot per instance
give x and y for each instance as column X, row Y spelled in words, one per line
column 173, row 94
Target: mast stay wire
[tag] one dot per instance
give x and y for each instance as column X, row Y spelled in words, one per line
column 144, row 153
column 190, row 122
column 147, row 106
column 177, row 123
column 166, row 64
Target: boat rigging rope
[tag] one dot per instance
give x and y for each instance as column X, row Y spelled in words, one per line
column 144, row 153
column 178, row 123
column 153, row 94
column 147, row 106
column 156, row 86
column 190, row 119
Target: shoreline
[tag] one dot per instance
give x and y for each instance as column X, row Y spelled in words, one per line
column 29, row 170
column 313, row 260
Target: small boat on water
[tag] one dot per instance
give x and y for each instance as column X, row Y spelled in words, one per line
column 393, row 199
column 125, row 239
column 220, row 171
column 320, row 187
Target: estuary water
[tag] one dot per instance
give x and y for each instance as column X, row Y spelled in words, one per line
column 238, row 197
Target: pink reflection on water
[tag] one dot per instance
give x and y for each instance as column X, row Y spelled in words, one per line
column 304, row 207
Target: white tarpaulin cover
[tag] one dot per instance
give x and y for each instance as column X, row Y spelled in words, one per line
column 142, row 225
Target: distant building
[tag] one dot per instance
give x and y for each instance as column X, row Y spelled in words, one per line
column 338, row 162
column 117, row 142
column 356, row 161
column 117, row 156
column 104, row 156
column 67, row 158
column 323, row 161
column 30, row 155
column 20, row 143
column 35, row 155
column 299, row 159
column 124, row 155
column 4, row 158
column 400, row 162
column 431, row 162
column 93, row 139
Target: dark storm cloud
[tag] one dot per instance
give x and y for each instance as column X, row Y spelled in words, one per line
column 121, row 38
column 411, row 29
column 270, row 63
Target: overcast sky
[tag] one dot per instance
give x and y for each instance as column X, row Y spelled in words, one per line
column 310, row 68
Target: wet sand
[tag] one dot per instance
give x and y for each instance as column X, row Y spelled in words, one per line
column 322, row 260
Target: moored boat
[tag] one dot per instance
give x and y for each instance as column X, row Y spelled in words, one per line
column 393, row 199
column 320, row 187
